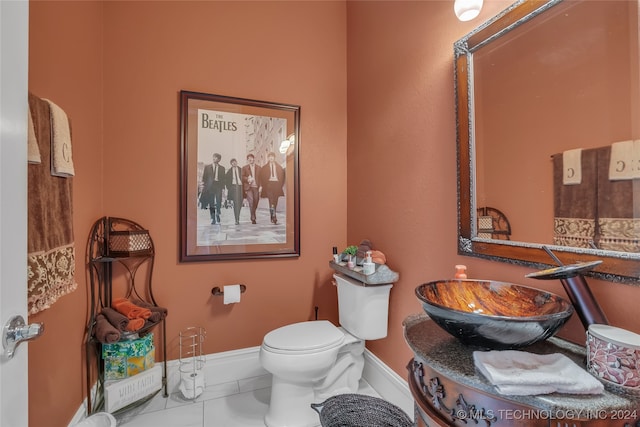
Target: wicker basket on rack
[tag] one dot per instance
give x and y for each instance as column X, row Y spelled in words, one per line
column 359, row 410
column 129, row 243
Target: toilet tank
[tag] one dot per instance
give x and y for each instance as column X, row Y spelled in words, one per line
column 363, row 310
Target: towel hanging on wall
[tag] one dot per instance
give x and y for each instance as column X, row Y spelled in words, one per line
column 61, row 153
column 32, row 143
column 50, row 240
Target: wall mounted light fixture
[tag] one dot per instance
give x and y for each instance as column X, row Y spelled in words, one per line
column 466, row 10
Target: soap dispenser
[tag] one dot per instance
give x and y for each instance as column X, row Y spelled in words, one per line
column 461, row 271
column 368, row 266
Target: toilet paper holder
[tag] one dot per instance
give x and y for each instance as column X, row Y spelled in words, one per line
column 218, row 292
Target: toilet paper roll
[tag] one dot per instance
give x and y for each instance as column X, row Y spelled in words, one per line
column 192, row 384
column 231, row 294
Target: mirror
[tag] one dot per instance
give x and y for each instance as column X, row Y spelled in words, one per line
column 538, row 84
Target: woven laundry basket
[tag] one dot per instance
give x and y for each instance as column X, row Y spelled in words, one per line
column 359, row 410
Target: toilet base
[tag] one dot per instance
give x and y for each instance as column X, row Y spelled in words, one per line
column 290, row 405
column 344, row 376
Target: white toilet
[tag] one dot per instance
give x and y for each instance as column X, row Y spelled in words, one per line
column 312, row 361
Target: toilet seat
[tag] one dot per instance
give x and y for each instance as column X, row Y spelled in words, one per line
column 304, row 337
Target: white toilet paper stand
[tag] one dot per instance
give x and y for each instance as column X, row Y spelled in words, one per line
column 192, row 381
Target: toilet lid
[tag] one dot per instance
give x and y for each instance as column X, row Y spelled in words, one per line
column 314, row 335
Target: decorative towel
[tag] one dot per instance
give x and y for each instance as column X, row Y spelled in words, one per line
column 621, row 162
column 574, row 206
column 157, row 313
column 50, row 240
column 572, row 167
column 135, row 324
column 105, row 332
column 519, row 373
column 129, row 309
column 61, row 155
column 118, row 320
column 618, row 207
column 33, row 155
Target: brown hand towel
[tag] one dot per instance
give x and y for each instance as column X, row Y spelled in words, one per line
column 162, row 311
column 105, row 332
column 575, row 205
column 120, row 321
column 50, row 242
column 618, row 205
column 129, row 309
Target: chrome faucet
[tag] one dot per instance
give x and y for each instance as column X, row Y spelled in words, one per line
column 16, row 331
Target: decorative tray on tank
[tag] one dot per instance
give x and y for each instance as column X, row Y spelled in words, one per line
column 495, row 315
column 383, row 275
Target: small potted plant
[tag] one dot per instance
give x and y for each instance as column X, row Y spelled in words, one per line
column 351, row 252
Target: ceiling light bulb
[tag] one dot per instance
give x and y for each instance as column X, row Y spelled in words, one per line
column 466, row 10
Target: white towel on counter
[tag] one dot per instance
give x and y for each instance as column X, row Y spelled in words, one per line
column 61, row 153
column 522, row 374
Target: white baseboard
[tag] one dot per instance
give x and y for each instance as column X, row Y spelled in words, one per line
column 223, row 367
column 391, row 386
column 81, row 413
column 232, row 365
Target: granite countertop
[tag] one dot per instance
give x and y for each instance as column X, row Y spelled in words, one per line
column 447, row 355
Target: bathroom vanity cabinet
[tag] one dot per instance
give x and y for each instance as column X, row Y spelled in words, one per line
column 120, row 256
column 448, row 391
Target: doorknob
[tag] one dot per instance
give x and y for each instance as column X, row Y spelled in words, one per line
column 16, row 331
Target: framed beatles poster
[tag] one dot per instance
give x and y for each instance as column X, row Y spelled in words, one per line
column 239, row 178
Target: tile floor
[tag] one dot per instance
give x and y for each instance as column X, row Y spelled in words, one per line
column 240, row 403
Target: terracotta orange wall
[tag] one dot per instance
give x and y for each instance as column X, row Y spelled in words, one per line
column 290, row 52
column 65, row 65
column 402, row 160
column 117, row 68
column 517, row 160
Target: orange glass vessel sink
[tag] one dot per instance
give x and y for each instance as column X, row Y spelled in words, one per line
column 494, row 315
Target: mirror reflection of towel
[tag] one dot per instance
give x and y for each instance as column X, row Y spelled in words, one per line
column 621, row 162
column 572, row 167
column 618, row 207
column 575, row 205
